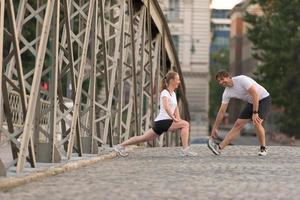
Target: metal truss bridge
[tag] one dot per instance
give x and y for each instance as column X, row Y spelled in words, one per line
column 79, row 74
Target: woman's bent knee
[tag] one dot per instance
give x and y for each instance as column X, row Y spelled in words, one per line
column 186, row 124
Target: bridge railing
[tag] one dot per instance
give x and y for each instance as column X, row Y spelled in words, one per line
column 79, row 74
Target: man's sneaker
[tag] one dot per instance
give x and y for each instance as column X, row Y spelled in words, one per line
column 213, row 146
column 120, row 151
column 263, row 151
column 187, row 152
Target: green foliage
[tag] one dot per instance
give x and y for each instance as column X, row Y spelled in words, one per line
column 219, row 60
column 276, row 39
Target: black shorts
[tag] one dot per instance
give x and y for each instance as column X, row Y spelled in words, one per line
column 162, row 126
column 263, row 109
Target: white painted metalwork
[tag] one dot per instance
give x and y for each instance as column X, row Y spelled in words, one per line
column 101, row 61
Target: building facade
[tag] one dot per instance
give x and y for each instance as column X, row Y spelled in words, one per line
column 220, row 28
column 189, row 23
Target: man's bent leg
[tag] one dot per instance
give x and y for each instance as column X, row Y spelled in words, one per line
column 260, row 132
column 233, row 133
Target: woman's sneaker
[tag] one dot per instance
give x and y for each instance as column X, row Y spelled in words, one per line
column 187, row 152
column 120, row 151
column 214, row 147
column 263, row 151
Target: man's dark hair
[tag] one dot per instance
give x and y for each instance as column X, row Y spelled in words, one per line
column 222, row 74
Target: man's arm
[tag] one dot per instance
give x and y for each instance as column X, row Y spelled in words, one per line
column 219, row 118
column 255, row 117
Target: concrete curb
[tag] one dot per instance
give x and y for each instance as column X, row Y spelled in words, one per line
column 9, row 183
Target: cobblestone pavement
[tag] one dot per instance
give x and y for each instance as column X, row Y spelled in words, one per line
column 160, row 173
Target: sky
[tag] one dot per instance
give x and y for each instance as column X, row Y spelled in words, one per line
column 224, row 4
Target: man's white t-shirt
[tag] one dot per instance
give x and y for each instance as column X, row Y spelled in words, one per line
column 240, row 87
column 172, row 102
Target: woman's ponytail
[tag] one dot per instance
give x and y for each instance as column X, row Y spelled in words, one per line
column 163, row 84
column 166, row 80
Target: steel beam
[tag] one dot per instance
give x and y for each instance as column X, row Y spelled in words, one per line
column 103, row 67
column 27, row 132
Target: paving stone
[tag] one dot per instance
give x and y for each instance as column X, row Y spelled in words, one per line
column 161, row 173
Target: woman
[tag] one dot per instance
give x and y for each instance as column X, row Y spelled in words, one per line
column 168, row 118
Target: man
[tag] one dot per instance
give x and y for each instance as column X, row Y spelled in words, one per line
column 259, row 103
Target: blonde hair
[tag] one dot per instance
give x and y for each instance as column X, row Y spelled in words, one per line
column 166, row 79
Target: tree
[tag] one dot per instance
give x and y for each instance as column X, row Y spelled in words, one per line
column 276, row 39
column 219, row 60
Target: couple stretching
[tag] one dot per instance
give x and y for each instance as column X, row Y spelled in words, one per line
column 168, row 119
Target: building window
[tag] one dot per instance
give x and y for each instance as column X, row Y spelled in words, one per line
column 173, row 10
column 193, row 48
column 221, row 14
column 175, row 39
column 221, row 27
